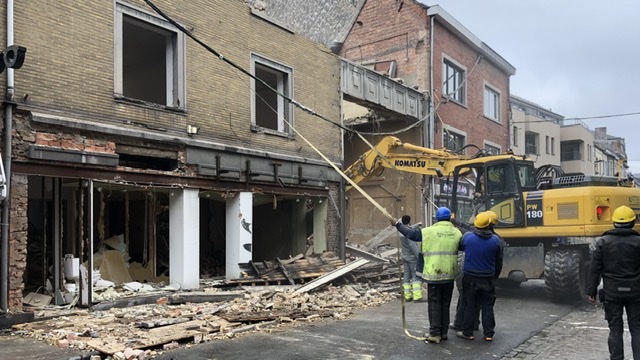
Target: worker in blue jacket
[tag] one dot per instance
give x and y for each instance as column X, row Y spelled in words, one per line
column 482, row 266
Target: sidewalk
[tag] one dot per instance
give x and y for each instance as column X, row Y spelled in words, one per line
column 581, row 335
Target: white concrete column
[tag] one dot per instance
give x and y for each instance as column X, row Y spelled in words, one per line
column 320, row 226
column 239, row 240
column 184, row 238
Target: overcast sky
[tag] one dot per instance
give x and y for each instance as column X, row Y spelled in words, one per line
column 579, row 58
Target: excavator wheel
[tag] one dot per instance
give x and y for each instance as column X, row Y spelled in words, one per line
column 564, row 275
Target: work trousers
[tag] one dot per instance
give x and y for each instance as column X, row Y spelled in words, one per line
column 613, row 314
column 479, row 295
column 439, row 302
column 409, row 271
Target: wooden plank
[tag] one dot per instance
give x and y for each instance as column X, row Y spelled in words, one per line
column 203, row 297
column 285, row 272
column 364, row 254
column 289, row 261
column 380, row 237
column 331, row 276
column 154, row 337
column 253, row 265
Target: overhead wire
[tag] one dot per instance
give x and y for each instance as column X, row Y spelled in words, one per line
column 291, row 100
column 332, row 164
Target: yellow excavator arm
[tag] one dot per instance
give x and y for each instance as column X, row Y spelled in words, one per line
column 388, row 153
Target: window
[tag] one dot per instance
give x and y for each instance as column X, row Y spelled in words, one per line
column 491, row 104
column 271, row 111
column 453, row 82
column 570, row 151
column 492, row 150
column 515, row 136
column 553, row 146
column 149, row 58
column 547, row 145
column 531, row 143
column 453, row 141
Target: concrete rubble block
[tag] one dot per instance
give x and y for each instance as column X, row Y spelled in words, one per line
column 170, row 346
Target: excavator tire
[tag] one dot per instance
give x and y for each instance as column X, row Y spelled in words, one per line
column 564, row 275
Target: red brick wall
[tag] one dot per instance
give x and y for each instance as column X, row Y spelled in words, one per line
column 386, row 31
column 469, row 117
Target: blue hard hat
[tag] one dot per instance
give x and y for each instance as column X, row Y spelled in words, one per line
column 443, row 213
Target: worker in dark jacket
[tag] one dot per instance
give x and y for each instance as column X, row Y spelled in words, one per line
column 616, row 260
column 461, row 306
column 482, row 266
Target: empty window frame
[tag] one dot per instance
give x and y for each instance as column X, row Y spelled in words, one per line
column 453, row 140
column 453, row 81
column 149, row 58
column 271, row 111
column 492, row 149
column 491, row 104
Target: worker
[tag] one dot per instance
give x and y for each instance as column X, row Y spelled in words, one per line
column 412, row 286
column 461, row 305
column 482, row 266
column 616, row 260
column 439, row 247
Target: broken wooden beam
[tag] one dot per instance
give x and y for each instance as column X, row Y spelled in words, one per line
column 364, row 254
column 285, row 272
column 380, row 237
column 331, row 276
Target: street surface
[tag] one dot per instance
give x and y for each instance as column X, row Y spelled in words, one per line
column 377, row 333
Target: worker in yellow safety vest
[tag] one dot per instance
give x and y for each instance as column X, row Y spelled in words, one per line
column 440, row 243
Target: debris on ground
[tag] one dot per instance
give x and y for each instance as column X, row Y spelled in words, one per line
column 138, row 321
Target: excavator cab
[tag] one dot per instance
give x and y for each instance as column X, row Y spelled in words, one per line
column 496, row 185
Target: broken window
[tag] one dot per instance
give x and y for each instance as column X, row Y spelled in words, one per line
column 149, row 58
column 271, row 110
column 453, row 141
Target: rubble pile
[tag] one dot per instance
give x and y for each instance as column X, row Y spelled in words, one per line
column 132, row 320
column 142, row 331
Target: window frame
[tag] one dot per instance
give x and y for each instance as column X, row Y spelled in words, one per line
column 455, row 132
column 287, row 88
column 459, row 96
column 176, row 92
column 489, row 144
column 497, row 96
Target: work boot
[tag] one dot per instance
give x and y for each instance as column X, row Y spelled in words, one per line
column 461, row 335
column 433, row 339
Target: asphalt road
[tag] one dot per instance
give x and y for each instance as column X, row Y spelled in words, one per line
column 377, row 333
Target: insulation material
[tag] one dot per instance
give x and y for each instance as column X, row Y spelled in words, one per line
column 112, row 266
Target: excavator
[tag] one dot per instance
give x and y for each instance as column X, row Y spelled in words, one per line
column 548, row 220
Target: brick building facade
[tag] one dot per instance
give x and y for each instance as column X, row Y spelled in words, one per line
column 126, row 131
column 425, row 48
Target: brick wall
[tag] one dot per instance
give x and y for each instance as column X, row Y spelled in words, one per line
column 470, row 116
column 385, row 30
column 17, row 241
column 70, row 68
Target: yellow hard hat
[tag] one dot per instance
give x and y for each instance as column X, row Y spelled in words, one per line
column 482, row 221
column 493, row 216
column 623, row 214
